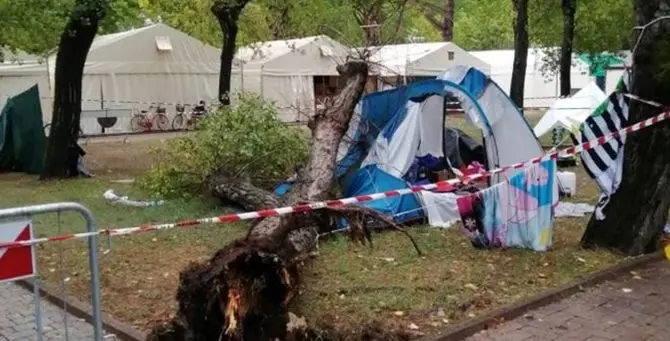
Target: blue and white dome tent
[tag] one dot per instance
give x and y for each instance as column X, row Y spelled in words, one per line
column 394, row 132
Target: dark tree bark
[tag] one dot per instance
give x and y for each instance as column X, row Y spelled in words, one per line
column 637, row 212
column 569, row 7
column 227, row 12
column 448, row 20
column 243, row 291
column 520, row 52
column 75, row 42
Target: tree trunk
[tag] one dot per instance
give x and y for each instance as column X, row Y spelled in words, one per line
column 638, row 211
column 568, row 7
column 520, row 52
column 228, row 14
column 243, row 291
column 73, row 48
column 448, row 20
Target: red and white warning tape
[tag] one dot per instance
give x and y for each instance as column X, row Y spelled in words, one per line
column 273, row 212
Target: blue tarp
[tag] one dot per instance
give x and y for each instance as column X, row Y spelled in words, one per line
column 371, row 179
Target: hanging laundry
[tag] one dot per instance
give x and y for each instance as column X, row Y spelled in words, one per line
column 441, row 208
column 516, row 213
column 604, row 163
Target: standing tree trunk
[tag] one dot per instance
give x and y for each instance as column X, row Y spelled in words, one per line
column 243, row 291
column 520, row 52
column 637, row 212
column 75, row 42
column 448, row 20
column 227, row 12
column 568, row 7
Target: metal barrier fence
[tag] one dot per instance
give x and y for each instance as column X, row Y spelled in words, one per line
column 27, row 213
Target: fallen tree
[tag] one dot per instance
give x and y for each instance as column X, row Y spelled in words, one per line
column 243, row 291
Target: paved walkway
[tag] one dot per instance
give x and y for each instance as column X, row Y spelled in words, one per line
column 17, row 318
column 634, row 307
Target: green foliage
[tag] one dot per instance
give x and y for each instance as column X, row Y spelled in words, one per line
column 246, row 141
column 600, row 25
column 484, row 25
column 35, row 26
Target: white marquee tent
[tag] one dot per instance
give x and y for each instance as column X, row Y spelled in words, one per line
column 540, row 90
column 422, row 59
column 284, row 71
column 570, row 112
column 131, row 69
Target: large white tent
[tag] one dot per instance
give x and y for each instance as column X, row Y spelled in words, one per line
column 422, row 59
column 285, row 72
column 541, row 88
column 569, row 113
column 130, row 70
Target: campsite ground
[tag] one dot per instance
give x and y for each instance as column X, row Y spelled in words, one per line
column 345, row 285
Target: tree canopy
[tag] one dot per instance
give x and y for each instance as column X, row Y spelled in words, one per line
column 34, row 26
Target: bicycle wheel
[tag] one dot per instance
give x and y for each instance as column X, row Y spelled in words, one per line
column 178, row 122
column 161, row 122
column 136, row 122
column 47, row 129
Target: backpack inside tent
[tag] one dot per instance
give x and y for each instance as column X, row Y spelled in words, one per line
column 397, row 137
column 22, row 140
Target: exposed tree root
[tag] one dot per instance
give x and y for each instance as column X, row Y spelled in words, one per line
column 243, row 291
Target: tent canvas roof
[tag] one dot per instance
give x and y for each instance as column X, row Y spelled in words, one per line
column 569, row 113
column 156, row 48
column 315, row 55
column 422, row 59
column 18, row 57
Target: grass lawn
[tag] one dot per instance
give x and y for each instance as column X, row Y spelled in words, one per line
column 345, row 285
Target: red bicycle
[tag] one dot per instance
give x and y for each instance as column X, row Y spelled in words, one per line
column 147, row 120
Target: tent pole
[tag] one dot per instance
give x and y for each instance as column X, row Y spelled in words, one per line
column 262, row 66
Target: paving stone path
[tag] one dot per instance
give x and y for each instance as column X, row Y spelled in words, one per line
column 634, row 307
column 17, row 318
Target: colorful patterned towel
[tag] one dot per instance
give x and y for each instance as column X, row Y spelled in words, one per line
column 517, row 213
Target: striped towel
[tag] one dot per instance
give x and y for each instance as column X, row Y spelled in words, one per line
column 604, row 163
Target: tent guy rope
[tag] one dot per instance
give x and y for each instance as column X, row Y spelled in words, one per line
column 272, row 212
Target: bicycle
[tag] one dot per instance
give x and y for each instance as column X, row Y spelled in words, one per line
column 191, row 118
column 178, row 120
column 47, row 130
column 146, row 120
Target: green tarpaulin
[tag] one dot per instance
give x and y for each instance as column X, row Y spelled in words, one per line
column 22, row 140
column 598, row 63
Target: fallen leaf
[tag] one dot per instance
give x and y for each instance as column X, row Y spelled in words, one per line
column 541, row 275
column 634, row 273
column 445, row 321
column 413, row 326
column 441, row 313
column 471, row 286
column 342, row 296
column 399, row 313
column 627, row 290
column 389, row 259
column 154, row 239
column 581, row 259
column 637, row 277
column 471, row 315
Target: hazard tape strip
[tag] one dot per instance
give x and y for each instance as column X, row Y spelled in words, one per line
column 274, row 212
